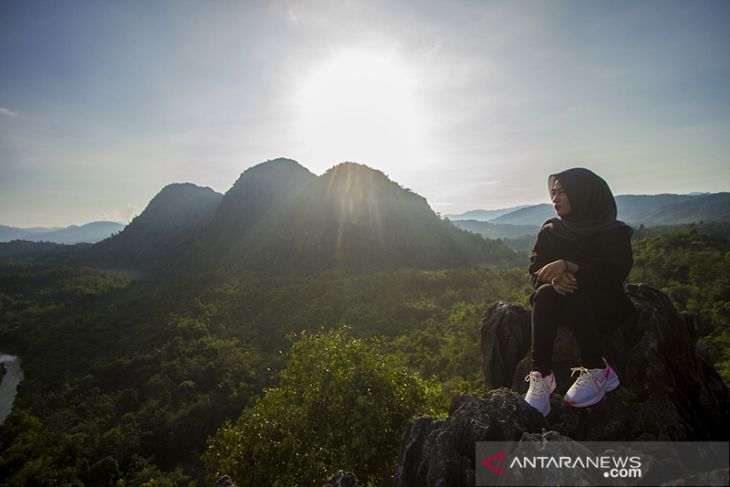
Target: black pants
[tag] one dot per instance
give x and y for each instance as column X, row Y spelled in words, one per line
column 550, row 309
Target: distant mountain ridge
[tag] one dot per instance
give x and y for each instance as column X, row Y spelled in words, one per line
column 707, row 208
column 484, row 215
column 90, row 233
column 280, row 218
column 649, row 210
column 518, row 228
column 495, row 230
column 532, row 215
column 636, row 209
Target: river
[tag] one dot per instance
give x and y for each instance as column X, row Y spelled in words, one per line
column 9, row 386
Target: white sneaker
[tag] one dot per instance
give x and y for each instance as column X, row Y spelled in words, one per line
column 538, row 395
column 591, row 386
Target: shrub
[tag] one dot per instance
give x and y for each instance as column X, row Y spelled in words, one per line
column 339, row 405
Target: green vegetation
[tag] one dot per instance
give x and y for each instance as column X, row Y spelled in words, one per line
column 340, row 405
column 693, row 269
column 126, row 380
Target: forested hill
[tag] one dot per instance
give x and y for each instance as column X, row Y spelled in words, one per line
column 279, row 218
column 259, row 193
column 169, row 224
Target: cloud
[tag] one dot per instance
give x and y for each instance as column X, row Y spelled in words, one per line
column 10, row 113
column 124, row 215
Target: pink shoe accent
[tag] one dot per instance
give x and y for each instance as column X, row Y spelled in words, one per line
column 580, row 394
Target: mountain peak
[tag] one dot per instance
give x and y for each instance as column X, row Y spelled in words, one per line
column 257, row 193
column 274, row 175
column 355, row 179
column 179, row 195
column 169, row 222
column 269, row 180
column 181, row 187
column 277, row 167
column 349, row 168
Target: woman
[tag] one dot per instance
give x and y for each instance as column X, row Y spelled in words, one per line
column 578, row 266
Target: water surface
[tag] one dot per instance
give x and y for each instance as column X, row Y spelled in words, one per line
column 9, row 386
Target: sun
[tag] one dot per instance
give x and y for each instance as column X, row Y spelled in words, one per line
column 360, row 105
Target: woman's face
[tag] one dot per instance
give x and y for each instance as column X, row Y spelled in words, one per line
column 560, row 200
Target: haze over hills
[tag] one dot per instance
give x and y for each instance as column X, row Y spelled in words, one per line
column 8, row 233
column 484, row 215
column 495, row 230
column 707, row 208
column 658, row 209
column 91, row 232
column 636, row 209
column 527, row 216
column 279, row 215
column 518, row 228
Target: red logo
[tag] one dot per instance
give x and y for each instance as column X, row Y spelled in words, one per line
column 500, row 456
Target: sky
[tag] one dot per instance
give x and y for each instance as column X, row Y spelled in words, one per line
column 471, row 104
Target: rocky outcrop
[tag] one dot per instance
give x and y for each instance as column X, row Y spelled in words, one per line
column 224, row 481
column 342, row 479
column 440, row 451
column 669, row 388
column 669, row 391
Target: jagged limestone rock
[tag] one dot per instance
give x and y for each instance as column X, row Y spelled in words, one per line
column 441, row 451
column 669, row 391
column 669, row 388
column 342, row 479
column 224, row 481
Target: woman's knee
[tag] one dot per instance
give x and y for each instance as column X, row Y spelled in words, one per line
column 545, row 292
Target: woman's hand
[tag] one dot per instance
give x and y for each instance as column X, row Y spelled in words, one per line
column 552, row 270
column 564, row 284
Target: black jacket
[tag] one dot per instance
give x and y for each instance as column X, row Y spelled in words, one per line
column 604, row 261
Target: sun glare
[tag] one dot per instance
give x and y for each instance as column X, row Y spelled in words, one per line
column 361, row 106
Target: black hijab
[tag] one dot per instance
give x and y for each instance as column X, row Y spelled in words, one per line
column 592, row 206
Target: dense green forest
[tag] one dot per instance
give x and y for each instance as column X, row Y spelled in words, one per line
column 172, row 382
column 693, row 268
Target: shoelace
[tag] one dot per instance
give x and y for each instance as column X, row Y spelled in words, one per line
column 584, row 376
column 540, row 385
